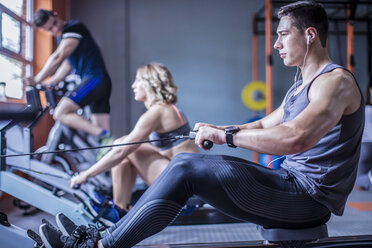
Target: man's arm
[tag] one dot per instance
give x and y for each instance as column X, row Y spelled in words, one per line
column 65, row 49
column 64, row 70
column 269, row 120
column 331, row 96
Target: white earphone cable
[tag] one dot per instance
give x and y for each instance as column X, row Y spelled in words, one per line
column 300, row 75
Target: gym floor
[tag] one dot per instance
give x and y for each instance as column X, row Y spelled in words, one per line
column 206, row 226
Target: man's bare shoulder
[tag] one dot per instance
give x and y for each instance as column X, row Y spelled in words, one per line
column 338, row 75
column 339, row 85
column 336, row 81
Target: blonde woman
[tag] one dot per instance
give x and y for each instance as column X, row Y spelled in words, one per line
column 154, row 86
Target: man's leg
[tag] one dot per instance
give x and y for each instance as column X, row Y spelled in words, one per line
column 65, row 112
column 237, row 187
column 101, row 120
column 92, row 91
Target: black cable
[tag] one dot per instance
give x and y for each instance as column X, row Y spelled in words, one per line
column 95, row 147
column 207, row 144
column 192, row 134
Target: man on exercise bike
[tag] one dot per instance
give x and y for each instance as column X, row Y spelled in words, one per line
column 76, row 50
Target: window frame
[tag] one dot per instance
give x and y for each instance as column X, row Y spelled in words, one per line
column 27, row 63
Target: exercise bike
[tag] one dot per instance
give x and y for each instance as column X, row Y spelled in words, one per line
column 62, row 137
column 47, row 187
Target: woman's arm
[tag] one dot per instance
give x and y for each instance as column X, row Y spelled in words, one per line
column 147, row 123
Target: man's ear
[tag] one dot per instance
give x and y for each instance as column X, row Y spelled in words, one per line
column 311, row 33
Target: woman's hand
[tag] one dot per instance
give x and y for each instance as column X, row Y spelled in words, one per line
column 80, row 178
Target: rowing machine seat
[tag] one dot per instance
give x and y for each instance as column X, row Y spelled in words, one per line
column 293, row 237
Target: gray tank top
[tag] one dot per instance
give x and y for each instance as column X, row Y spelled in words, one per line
column 327, row 170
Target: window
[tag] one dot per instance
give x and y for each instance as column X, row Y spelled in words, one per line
column 15, row 45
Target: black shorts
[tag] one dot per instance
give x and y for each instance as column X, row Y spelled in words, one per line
column 94, row 91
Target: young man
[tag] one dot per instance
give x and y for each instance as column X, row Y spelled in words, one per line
column 76, row 50
column 318, row 127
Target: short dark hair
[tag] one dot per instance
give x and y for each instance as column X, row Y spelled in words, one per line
column 41, row 16
column 306, row 14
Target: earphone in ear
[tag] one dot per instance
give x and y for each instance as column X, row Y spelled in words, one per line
column 308, row 39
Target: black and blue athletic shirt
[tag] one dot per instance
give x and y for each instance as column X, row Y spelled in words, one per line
column 86, row 59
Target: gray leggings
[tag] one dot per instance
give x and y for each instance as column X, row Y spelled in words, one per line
column 238, row 188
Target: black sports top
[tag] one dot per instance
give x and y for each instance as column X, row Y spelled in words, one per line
column 166, row 142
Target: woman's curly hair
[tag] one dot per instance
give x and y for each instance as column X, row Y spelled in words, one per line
column 159, row 84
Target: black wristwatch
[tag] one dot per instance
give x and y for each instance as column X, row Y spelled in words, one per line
column 229, row 131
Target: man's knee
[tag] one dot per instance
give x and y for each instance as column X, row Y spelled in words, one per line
column 183, row 162
column 65, row 106
column 184, row 157
column 58, row 113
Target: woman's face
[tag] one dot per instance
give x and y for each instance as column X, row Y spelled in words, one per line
column 138, row 89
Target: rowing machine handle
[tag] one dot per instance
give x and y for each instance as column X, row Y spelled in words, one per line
column 207, row 144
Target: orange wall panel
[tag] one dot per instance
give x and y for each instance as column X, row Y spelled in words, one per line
column 44, row 45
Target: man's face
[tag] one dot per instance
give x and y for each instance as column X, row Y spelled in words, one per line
column 291, row 43
column 53, row 26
